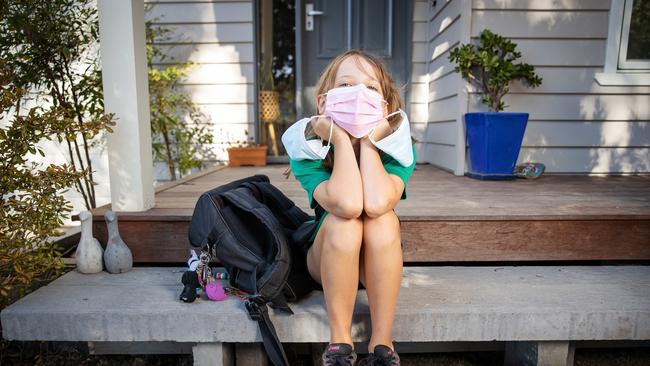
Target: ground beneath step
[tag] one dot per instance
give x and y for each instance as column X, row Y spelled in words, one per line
column 34, row 353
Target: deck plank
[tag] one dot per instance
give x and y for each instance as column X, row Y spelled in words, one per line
column 445, row 217
column 433, row 193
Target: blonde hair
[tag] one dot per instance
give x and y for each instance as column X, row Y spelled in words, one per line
column 327, row 81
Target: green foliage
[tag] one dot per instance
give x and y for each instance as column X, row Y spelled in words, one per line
column 50, row 86
column 52, row 46
column 32, row 208
column 490, row 65
column 178, row 143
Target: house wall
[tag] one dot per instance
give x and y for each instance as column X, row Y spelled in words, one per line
column 419, row 79
column 219, row 37
column 575, row 125
column 438, row 27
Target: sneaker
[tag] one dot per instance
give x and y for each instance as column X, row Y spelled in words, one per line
column 339, row 354
column 381, row 356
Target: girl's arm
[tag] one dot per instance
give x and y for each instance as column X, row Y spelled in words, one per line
column 342, row 194
column 381, row 190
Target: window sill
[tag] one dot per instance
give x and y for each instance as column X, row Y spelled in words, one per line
column 623, row 79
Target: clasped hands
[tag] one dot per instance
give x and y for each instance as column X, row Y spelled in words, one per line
column 321, row 126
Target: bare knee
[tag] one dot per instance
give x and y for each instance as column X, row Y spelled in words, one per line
column 343, row 234
column 381, row 231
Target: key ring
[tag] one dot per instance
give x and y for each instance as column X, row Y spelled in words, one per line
column 242, row 295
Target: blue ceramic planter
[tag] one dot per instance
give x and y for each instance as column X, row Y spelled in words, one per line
column 494, row 140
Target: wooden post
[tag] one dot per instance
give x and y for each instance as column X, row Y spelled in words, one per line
column 126, row 93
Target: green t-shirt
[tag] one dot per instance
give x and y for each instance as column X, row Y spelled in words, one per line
column 310, row 173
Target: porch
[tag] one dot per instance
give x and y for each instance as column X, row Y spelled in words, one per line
column 537, row 313
column 445, row 218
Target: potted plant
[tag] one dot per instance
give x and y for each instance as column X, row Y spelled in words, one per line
column 494, row 137
column 246, row 152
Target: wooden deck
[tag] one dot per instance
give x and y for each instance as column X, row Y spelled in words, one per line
column 445, row 217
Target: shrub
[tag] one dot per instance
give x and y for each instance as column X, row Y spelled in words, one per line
column 51, row 89
column 52, row 47
column 490, row 65
column 32, row 208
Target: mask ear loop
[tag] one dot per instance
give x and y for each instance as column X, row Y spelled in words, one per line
column 373, row 129
column 329, row 140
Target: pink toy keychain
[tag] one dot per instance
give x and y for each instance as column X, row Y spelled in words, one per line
column 214, row 290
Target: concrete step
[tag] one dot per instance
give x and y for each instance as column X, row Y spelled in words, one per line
column 435, row 304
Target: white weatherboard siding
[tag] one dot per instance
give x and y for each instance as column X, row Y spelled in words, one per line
column 575, row 125
column 219, row 37
column 440, row 29
column 419, row 79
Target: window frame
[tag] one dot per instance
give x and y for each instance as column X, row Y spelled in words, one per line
column 635, row 73
column 623, row 63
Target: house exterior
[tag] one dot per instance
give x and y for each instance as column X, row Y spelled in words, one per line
column 584, row 118
column 577, row 124
column 587, row 117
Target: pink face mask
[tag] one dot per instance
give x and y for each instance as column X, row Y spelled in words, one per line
column 356, row 109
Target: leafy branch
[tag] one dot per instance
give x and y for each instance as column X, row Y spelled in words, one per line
column 52, row 47
column 490, row 65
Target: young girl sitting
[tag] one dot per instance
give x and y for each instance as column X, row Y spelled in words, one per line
column 354, row 192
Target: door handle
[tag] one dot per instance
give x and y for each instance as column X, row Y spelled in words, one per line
column 310, row 13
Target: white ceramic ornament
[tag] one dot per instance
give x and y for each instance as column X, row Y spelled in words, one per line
column 117, row 257
column 89, row 252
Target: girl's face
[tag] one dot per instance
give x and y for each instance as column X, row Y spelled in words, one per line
column 356, row 70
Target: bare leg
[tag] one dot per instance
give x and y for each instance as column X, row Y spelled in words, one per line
column 381, row 266
column 333, row 261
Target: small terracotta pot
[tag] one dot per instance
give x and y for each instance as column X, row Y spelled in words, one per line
column 238, row 156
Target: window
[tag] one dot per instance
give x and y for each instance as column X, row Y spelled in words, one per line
column 635, row 38
column 627, row 61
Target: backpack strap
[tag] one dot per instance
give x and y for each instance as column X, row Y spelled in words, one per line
column 258, row 311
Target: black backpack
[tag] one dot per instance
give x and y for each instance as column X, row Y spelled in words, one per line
column 258, row 235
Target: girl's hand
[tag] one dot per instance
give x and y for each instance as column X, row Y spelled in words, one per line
column 382, row 130
column 321, row 127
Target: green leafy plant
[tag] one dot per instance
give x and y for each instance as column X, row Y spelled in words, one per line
column 180, row 144
column 32, row 207
column 50, row 90
column 490, row 65
column 53, row 48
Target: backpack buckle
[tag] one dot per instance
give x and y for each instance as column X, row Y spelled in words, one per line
column 255, row 306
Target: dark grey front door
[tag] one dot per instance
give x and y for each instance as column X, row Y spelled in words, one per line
column 381, row 27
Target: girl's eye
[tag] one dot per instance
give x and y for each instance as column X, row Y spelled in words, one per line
column 344, row 84
column 373, row 88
